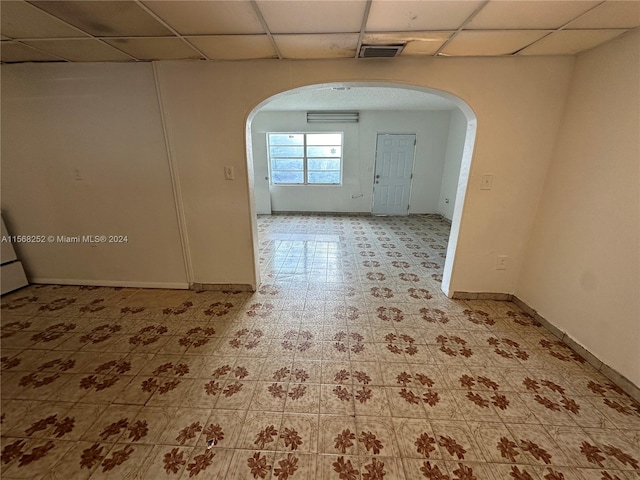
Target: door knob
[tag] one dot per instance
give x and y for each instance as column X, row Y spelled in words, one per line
column 377, row 176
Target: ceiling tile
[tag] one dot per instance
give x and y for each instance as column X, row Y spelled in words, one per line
column 317, row 46
column 524, row 14
column 570, row 42
column 208, row 18
column 160, row 48
column 313, row 16
column 487, row 42
column 106, row 18
column 16, row 52
column 400, row 16
column 612, row 14
column 416, row 43
column 81, row 50
column 22, row 20
column 235, row 47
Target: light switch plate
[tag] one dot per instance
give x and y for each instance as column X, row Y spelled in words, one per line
column 487, row 182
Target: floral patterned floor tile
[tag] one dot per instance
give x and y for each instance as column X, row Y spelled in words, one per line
column 165, row 462
column 334, row 467
column 438, row 469
column 517, row 471
column 376, row 436
column 261, row 430
column 186, row 427
column 222, row 429
column 381, row 467
column 298, row 433
column 114, row 422
column 416, row 439
column 348, row 363
column 31, row 458
column 123, row 461
column 599, row 474
column 337, row 399
column 254, row 464
column 536, row 446
column 337, row 435
column 456, row 442
column 204, row 463
column 79, row 462
column 270, row 396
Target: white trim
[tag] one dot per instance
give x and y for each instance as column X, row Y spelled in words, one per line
column 465, row 166
column 250, row 183
column 305, row 159
column 109, row 283
column 175, row 183
column 460, row 202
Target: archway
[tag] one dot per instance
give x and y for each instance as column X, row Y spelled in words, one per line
column 463, row 177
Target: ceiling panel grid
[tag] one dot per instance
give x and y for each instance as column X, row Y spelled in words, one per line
column 146, row 30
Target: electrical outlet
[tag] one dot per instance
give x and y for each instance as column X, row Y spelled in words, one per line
column 501, row 263
column 228, row 173
column 486, row 182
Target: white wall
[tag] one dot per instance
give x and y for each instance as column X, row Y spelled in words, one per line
column 316, row 198
column 83, row 153
column 431, row 129
column 582, row 268
column 518, row 103
column 453, row 158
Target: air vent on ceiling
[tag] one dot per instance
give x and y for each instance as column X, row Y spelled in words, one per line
column 380, row 51
column 332, row 117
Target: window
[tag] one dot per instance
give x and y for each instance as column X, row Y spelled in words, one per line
column 305, row 158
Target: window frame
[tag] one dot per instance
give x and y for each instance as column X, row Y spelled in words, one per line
column 305, row 160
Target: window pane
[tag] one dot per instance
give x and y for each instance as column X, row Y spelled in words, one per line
column 286, row 139
column 311, row 158
column 279, row 151
column 287, row 164
column 324, row 139
column 324, row 164
column 287, row 177
column 331, row 151
column 323, row 177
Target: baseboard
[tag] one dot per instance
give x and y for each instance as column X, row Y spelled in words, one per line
column 319, row 212
column 611, row 373
column 349, row 214
column 236, row 287
column 109, row 283
column 502, row 297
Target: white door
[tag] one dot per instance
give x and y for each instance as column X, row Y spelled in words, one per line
column 394, row 167
column 262, row 195
column 261, row 189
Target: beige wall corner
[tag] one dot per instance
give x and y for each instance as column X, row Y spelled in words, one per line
column 582, row 262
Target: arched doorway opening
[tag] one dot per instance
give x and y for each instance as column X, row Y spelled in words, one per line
column 460, row 181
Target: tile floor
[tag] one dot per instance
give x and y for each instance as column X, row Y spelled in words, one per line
column 348, row 363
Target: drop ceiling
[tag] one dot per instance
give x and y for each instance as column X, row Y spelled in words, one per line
column 122, row 31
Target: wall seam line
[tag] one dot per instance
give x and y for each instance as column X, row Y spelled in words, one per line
column 175, row 182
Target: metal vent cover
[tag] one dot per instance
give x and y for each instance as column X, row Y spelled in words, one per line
column 333, row 117
column 380, row 51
